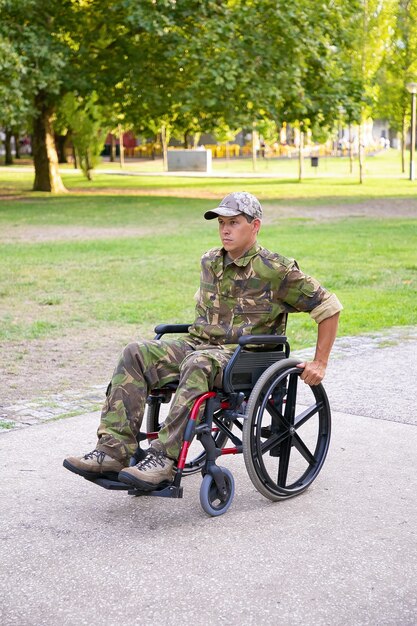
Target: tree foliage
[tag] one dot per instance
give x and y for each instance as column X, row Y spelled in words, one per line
column 189, row 66
column 399, row 67
column 85, row 121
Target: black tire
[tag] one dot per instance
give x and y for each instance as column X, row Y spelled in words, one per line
column 286, row 432
column 195, row 464
column 210, row 499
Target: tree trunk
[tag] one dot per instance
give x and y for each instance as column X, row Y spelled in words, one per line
column 350, row 149
column 60, row 142
column 403, row 144
column 254, row 147
column 361, row 159
column 301, row 157
column 70, row 143
column 8, row 158
column 164, row 142
column 112, row 148
column 47, row 177
column 16, row 144
column 88, row 166
column 121, row 147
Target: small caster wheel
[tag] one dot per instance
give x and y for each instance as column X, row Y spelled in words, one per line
column 211, row 500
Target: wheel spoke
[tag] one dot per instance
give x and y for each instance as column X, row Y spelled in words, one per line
column 303, row 450
column 289, row 412
column 284, row 462
column 273, row 441
column 277, row 416
column 307, row 414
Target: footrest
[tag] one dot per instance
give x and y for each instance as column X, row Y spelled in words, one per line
column 167, row 492
column 170, row 491
column 108, row 483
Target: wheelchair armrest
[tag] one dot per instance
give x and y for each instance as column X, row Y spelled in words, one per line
column 163, row 329
column 262, row 339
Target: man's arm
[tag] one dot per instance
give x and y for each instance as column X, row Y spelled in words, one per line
column 315, row 370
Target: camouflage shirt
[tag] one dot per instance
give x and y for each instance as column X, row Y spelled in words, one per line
column 253, row 294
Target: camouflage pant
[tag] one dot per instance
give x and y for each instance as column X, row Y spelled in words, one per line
column 150, row 365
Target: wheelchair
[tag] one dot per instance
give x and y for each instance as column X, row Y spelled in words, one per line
column 263, row 410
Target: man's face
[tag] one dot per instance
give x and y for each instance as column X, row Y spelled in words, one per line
column 237, row 234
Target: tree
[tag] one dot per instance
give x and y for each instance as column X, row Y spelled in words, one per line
column 31, row 28
column 398, row 68
column 368, row 29
column 168, row 97
column 15, row 108
column 69, row 46
column 180, row 68
column 297, row 53
column 85, row 121
column 101, row 46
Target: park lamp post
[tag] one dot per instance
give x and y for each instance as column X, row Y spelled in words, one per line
column 412, row 88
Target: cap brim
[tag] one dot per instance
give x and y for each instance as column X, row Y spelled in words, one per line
column 225, row 212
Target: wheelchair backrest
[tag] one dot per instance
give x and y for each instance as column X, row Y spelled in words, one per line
column 247, row 368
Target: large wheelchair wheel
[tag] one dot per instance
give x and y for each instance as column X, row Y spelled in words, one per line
column 286, row 431
column 195, row 464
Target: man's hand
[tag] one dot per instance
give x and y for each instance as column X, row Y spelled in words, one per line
column 314, row 372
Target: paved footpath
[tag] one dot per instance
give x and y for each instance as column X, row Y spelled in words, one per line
column 343, row 553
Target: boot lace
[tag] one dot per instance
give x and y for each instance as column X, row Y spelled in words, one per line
column 153, row 459
column 96, row 454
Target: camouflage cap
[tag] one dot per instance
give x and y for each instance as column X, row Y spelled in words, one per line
column 236, row 203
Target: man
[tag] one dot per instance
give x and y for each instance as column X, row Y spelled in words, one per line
column 244, row 290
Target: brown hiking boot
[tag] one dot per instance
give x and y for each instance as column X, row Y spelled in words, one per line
column 93, row 465
column 156, row 470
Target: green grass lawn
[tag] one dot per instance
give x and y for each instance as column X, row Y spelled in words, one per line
column 152, row 275
column 330, row 184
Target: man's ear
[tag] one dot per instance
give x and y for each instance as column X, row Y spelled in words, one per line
column 257, row 224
